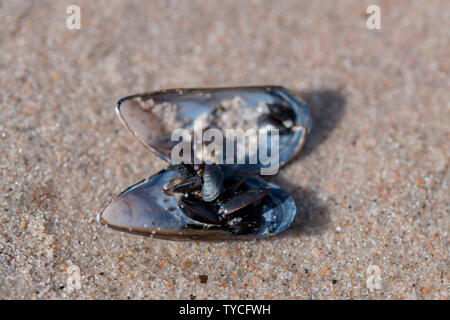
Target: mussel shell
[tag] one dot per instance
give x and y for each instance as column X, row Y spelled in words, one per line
column 145, row 209
column 241, row 200
column 212, row 182
column 194, row 102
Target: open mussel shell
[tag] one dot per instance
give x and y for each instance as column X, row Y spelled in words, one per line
column 183, row 106
column 145, row 209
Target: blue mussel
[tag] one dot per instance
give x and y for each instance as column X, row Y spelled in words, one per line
column 207, row 200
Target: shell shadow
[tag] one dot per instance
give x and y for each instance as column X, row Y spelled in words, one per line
column 327, row 108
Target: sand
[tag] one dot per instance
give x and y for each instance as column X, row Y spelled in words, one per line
column 371, row 184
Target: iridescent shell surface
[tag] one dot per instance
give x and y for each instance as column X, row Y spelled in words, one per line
column 145, row 209
column 194, row 103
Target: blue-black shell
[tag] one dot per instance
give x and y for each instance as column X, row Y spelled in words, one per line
column 145, row 209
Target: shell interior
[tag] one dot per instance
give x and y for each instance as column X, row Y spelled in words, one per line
column 152, row 117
